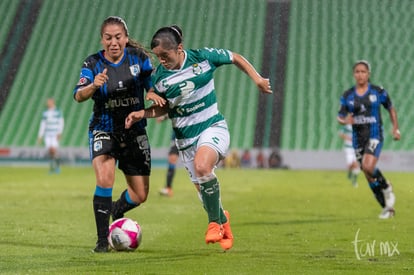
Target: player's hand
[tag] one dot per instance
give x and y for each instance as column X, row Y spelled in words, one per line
column 156, row 99
column 396, row 134
column 133, row 117
column 264, row 85
column 100, row 79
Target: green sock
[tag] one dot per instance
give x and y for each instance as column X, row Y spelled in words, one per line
column 210, row 192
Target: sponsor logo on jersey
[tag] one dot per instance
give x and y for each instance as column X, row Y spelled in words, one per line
column 134, row 69
column 82, row 81
column 124, row 102
column 364, row 119
column 195, row 107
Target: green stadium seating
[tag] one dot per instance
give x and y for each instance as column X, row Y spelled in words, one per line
column 67, row 31
column 325, row 38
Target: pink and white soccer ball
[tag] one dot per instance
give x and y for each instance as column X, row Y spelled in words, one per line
column 124, row 235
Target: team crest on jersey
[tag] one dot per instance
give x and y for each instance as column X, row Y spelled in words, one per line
column 134, row 69
column 82, row 81
column 197, row 69
column 372, row 98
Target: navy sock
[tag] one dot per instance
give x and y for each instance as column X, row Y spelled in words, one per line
column 380, row 178
column 377, row 190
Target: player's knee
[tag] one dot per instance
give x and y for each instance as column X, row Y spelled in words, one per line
column 202, row 169
column 368, row 170
column 139, row 198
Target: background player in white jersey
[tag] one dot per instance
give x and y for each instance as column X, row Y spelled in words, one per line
column 353, row 167
column 50, row 131
column 185, row 79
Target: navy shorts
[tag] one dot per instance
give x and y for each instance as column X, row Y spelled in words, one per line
column 130, row 148
column 371, row 147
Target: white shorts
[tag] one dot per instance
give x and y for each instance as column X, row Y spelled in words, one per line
column 350, row 155
column 51, row 141
column 216, row 137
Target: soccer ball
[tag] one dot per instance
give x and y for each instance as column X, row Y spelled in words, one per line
column 124, row 235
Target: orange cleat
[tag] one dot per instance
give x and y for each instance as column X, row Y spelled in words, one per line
column 214, row 233
column 227, row 241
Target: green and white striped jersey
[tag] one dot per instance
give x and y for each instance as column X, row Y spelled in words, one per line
column 52, row 123
column 191, row 94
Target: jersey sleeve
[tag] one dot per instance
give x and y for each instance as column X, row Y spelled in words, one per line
column 42, row 126
column 155, row 79
column 217, row 56
column 86, row 75
column 385, row 100
column 343, row 110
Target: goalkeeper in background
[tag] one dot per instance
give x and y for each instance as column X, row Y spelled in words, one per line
column 50, row 131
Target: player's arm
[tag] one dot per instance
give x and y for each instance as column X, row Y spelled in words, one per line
column 394, row 120
column 345, row 119
column 86, row 92
column 150, row 112
column 262, row 83
column 344, row 116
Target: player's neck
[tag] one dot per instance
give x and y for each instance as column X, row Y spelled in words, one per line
column 361, row 88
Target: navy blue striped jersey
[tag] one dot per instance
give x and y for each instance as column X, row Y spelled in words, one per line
column 122, row 93
column 366, row 112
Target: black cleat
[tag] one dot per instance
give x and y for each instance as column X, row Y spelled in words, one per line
column 102, row 246
column 115, row 213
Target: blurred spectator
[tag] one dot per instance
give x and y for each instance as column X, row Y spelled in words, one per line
column 275, row 160
column 260, row 159
column 246, row 158
column 232, row 160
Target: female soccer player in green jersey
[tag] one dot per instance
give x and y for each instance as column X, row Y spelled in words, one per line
column 185, row 79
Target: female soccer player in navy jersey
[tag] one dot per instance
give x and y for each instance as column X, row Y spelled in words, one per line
column 115, row 79
column 361, row 107
column 185, row 79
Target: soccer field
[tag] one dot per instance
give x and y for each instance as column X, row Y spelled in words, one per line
column 284, row 222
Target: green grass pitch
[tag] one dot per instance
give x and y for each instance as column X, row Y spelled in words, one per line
column 284, row 222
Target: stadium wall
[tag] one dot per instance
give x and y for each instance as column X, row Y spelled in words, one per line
column 291, row 159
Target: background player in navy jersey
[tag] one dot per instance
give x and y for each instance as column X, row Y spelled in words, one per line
column 115, row 78
column 185, row 79
column 361, row 107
